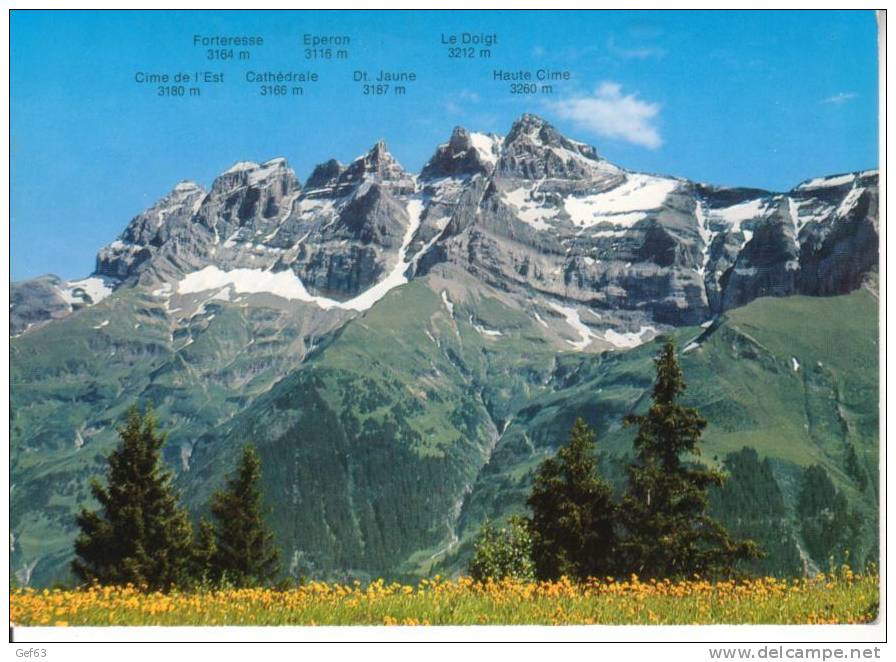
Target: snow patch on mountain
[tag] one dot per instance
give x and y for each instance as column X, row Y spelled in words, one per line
column 529, row 208
column 706, row 235
column 794, row 210
column 284, row 284
column 398, row 275
column 628, row 340
column 812, row 211
column 96, row 288
column 265, row 170
column 826, row 182
column 483, row 331
column 572, row 318
column 187, row 186
column 850, row 201
column 735, row 215
column 448, row 305
column 163, row 291
column 623, row 205
column 487, row 146
column 241, row 166
column 222, row 295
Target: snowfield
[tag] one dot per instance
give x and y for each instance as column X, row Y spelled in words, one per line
column 622, row 206
column 95, row 287
column 529, row 208
column 735, row 215
column 487, row 146
column 628, row 340
column 826, row 182
column 572, row 318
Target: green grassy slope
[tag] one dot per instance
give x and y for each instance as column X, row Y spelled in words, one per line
column 742, row 379
column 384, row 450
column 71, row 382
column 369, row 448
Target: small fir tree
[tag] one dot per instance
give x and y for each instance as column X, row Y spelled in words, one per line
column 668, row 531
column 573, row 513
column 503, row 553
column 140, row 534
column 828, row 528
column 244, row 552
column 204, row 549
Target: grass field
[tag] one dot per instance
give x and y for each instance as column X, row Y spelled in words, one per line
column 841, row 598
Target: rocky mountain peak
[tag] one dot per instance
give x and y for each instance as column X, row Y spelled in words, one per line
column 149, row 230
column 377, row 165
column 324, row 175
column 187, row 187
column 249, row 173
column 182, row 200
column 528, row 125
column 465, row 154
column 534, row 149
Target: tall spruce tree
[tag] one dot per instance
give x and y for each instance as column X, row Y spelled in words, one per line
column 573, row 513
column 668, row 531
column 243, row 552
column 140, row 534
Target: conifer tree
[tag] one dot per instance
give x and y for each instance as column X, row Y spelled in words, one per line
column 204, row 552
column 668, row 531
column 505, row 552
column 573, row 513
column 140, row 534
column 854, row 468
column 244, row 552
column 828, row 528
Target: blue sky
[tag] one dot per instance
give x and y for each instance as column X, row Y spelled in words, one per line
column 763, row 99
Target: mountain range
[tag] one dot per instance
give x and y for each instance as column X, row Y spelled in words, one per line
column 405, row 348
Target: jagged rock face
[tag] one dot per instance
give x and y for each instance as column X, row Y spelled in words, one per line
column 35, row 301
column 324, row 178
column 379, row 166
column 535, row 150
column 535, row 214
column 149, row 231
column 765, row 267
column 464, row 155
column 373, row 216
column 249, row 199
column 348, row 256
column 836, row 257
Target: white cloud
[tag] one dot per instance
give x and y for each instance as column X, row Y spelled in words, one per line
column 611, row 114
column 840, row 98
column 639, row 52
